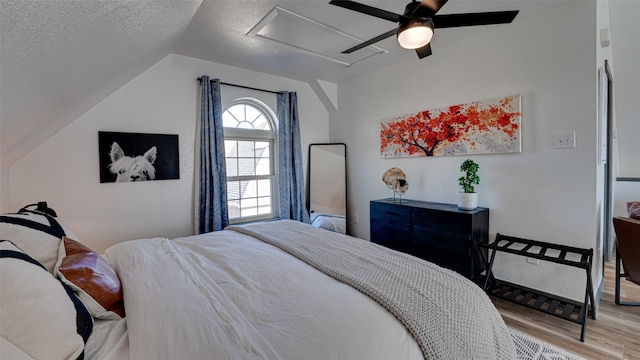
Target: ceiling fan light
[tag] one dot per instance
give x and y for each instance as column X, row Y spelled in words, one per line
column 415, row 33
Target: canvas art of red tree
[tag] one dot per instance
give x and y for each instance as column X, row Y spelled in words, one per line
column 426, row 132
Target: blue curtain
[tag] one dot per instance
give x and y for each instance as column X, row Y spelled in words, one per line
column 212, row 205
column 290, row 171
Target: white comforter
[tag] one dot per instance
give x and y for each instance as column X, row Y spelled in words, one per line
column 225, row 295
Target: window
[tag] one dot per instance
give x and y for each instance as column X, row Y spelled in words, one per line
column 249, row 142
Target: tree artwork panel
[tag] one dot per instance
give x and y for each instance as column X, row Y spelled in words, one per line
column 480, row 127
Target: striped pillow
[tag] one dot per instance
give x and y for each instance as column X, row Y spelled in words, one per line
column 39, row 315
column 37, row 234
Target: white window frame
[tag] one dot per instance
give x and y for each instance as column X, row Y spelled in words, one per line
column 257, row 135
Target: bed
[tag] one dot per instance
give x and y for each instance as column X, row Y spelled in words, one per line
column 273, row 290
column 331, row 222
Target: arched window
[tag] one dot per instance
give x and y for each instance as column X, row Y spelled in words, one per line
column 250, row 141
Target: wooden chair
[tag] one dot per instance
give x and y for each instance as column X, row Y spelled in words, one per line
column 628, row 253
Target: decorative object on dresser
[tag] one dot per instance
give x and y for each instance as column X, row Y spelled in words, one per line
column 440, row 233
column 396, row 180
column 468, row 198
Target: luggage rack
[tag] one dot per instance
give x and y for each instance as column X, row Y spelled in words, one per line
column 550, row 304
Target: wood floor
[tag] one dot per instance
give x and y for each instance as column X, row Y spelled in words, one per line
column 615, row 334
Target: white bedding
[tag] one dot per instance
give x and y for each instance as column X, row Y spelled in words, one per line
column 450, row 317
column 331, row 222
column 225, row 295
column 108, row 341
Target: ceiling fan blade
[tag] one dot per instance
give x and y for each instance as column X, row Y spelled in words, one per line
column 389, row 33
column 472, row 19
column 366, row 9
column 434, row 5
column 424, row 51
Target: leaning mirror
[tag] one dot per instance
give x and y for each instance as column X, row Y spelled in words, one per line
column 327, row 200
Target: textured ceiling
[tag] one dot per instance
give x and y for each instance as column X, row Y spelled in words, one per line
column 217, row 33
column 60, row 58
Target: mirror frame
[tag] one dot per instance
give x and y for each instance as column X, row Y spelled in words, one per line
column 309, row 181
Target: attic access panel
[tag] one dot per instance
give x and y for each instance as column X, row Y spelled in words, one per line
column 311, row 37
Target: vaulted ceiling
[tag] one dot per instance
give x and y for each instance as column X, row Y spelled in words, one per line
column 60, row 58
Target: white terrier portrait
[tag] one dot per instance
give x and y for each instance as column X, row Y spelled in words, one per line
column 127, row 168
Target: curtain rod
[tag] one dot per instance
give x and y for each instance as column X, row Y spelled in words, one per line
column 244, row 87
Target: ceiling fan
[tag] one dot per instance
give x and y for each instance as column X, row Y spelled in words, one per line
column 416, row 25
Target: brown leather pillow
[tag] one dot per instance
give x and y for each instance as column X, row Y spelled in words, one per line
column 95, row 282
column 633, row 208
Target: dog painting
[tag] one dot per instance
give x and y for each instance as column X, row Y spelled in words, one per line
column 127, row 168
column 132, row 157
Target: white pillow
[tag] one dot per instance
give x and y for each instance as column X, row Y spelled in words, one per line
column 37, row 234
column 38, row 314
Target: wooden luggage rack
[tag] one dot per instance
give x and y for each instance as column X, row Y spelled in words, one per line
column 550, row 304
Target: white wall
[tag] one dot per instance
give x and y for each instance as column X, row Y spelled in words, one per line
column 625, row 30
column 4, row 189
column 164, row 99
column 541, row 193
column 625, row 33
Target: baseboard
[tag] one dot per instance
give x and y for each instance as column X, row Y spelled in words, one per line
column 598, row 295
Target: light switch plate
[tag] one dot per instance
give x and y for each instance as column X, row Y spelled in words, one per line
column 565, row 140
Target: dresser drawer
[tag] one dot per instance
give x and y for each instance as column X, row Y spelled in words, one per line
column 390, row 213
column 393, row 241
column 443, row 221
column 390, row 226
column 426, row 238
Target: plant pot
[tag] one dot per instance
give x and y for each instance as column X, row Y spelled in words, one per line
column 467, row 201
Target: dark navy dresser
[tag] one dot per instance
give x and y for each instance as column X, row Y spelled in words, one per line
column 440, row 233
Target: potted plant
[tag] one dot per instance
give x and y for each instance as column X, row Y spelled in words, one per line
column 468, row 199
